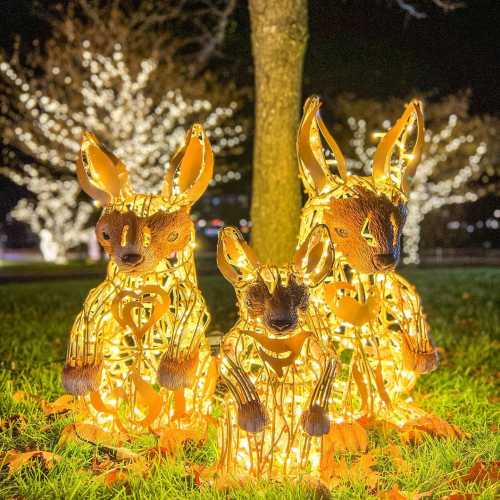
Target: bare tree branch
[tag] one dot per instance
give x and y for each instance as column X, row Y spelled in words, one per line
column 413, row 11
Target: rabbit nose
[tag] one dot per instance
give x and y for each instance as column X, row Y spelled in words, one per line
column 281, row 324
column 385, row 260
column 131, row 258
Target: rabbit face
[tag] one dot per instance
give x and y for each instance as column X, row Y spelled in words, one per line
column 365, row 215
column 367, row 229
column 278, row 310
column 139, row 231
column 270, row 297
column 138, row 244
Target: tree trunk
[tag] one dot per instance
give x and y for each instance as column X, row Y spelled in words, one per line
column 279, row 37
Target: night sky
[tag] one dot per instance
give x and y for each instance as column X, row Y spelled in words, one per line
column 367, row 47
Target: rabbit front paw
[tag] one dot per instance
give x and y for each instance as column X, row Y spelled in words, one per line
column 80, row 380
column 252, row 416
column 315, row 421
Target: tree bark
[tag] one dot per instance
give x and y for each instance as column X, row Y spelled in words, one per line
column 279, row 38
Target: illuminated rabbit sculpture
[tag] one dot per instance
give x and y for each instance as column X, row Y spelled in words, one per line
column 375, row 322
column 145, row 322
column 279, row 375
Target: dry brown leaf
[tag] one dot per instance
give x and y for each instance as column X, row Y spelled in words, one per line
column 396, row 494
column 114, row 476
column 413, row 430
column 109, row 472
column 333, row 473
column 347, row 436
column 363, row 470
column 91, row 434
column 483, row 471
column 125, row 454
column 16, row 422
column 173, row 439
column 100, row 464
column 22, row 396
column 393, row 494
column 202, row 473
column 19, row 396
column 16, row 460
column 60, row 405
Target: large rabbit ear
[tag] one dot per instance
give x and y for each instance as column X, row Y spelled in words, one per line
column 100, row 173
column 312, row 163
column 398, row 154
column 235, row 259
column 191, row 167
column 314, row 258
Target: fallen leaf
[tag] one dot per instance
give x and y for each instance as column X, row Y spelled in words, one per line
column 16, row 460
column 100, row 464
column 172, row 439
column 15, row 422
column 110, row 472
column 414, row 430
column 396, row 494
column 347, row 436
column 393, row 494
column 126, row 454
column 91, row 434
column 21, row 396
column 482, row 471
column 333, row 473
column 116, row 475
column 62, row 404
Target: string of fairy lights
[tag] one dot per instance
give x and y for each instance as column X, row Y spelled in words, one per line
column 427, row 194
column 117, row 106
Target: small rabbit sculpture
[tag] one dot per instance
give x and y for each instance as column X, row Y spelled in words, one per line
column 145, row 322
column 279, row 375
column 375, row 322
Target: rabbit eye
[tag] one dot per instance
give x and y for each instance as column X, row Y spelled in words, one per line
column 341, row 232
column 105, row 236
column 365, row 232
column 173, row 236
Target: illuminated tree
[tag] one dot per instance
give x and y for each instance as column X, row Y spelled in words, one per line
column 98, row 72
column 454, row 158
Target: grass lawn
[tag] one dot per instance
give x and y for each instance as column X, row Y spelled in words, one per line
column 463, row 306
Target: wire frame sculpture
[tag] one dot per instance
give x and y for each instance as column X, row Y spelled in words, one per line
column 374, row 321
column 279, row 374
column 144, row 324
